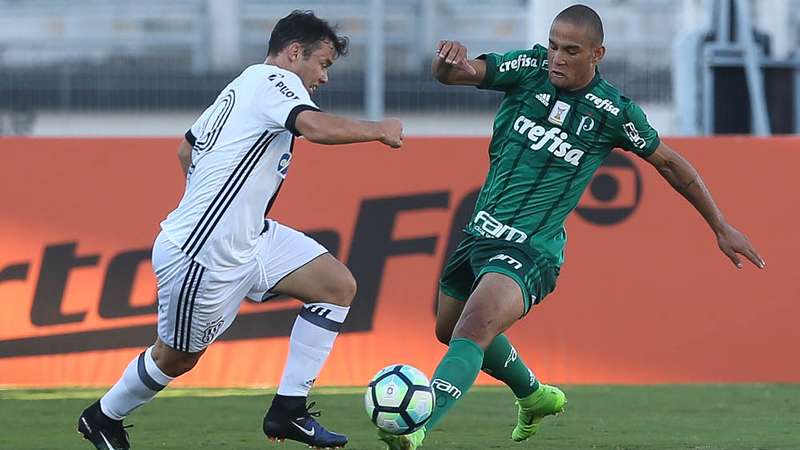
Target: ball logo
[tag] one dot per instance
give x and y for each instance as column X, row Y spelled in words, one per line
column 614, row 192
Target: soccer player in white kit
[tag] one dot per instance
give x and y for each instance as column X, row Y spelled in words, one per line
column 216, row 248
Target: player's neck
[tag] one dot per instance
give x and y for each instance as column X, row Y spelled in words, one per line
column 279, row 61
column 583, row 84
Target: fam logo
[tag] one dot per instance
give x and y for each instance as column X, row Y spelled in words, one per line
column 446, row 387
column 511, row 261
column 283, row 164
column 614, row 192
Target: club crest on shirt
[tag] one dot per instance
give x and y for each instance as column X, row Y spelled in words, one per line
column 559, row 113
column 587, row 124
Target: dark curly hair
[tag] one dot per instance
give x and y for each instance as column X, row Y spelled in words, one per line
column 306, row 29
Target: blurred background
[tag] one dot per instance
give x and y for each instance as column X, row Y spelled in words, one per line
column 113, row 67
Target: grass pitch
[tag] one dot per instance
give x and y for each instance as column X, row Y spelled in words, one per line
column 707, row 417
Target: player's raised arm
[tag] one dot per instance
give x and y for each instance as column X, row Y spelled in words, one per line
column 185, row 156
column 684, row 178
column 324, row 128
column 451, row 65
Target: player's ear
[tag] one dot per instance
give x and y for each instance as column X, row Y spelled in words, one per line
column 295, row 51
column 597, row 54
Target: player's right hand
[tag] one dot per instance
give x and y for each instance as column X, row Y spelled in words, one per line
column 392, row 132
column 454, row 53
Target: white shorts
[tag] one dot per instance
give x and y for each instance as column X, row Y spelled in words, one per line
column 196, row 304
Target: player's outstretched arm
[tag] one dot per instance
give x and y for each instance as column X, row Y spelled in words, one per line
column 684, row 178
column 185, row 156
column 324, row 128
column 451, row 65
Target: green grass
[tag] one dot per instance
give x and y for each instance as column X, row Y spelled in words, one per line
column 621, row 418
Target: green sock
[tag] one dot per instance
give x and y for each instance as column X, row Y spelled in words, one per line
column 501, row 361
column 453, row 377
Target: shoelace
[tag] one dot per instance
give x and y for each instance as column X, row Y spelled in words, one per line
column 312, row 413
column 123, row 428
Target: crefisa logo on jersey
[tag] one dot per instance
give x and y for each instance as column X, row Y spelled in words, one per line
column 541, row 137
column 603, row 103
column 283, row 164
column 519, row 62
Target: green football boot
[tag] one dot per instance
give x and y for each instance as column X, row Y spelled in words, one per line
column 546, row 401
column 410, row 441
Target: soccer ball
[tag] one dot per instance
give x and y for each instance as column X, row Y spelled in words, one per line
column 399, row 399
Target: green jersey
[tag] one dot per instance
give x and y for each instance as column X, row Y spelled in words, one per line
column 546, row 145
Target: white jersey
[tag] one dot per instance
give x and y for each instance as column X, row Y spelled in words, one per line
column 241, row 151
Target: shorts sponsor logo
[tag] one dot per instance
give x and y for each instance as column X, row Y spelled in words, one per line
column 603, row 103
column 488, row 226
column 446, row 387
column 555, row 137
column 511, row 261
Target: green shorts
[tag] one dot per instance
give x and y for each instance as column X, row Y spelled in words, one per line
column 474, row 257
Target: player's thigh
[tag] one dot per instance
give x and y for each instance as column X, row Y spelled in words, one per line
column 196, row 304
column 458, row 278
column 495, row 305
column 324, row 279
column 448, row 311
column 296, row 265
column 533, row 272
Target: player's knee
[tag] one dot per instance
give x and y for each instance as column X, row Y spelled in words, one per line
column 475, row 330
column 178, row 366
column 172, row 362
column 343, row 290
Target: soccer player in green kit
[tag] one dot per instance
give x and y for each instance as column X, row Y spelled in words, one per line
column 558, row 121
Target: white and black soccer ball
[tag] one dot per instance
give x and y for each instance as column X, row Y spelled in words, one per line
column 399, row 399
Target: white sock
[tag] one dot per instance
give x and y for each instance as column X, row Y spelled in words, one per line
column 140, row 382
column 314, row 331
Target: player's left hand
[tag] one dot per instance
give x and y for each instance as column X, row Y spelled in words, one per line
column 733, row 243
column 454, row 53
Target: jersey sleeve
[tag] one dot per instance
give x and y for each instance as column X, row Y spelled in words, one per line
column 506, row 71
column 636, row 134
column 281, row 98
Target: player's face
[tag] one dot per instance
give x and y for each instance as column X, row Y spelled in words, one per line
column 571, row 55
column 314, row 69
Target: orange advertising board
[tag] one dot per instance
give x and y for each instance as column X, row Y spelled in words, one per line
column 644, row 296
